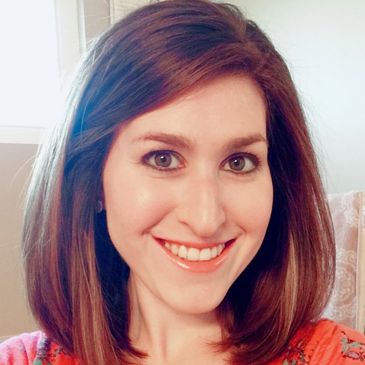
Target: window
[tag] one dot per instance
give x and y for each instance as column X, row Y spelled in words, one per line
column 30, row 87
column 41, row 44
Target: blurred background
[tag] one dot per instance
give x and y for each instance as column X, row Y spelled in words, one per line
column 42, row 41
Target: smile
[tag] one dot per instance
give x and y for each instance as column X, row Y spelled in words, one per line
column 196, row 257
column 195, row 254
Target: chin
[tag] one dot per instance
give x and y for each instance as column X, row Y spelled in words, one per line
column 195, row 304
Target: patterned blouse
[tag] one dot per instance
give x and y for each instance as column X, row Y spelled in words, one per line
column 323, row 343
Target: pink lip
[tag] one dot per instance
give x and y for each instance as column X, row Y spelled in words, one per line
column 196, row 266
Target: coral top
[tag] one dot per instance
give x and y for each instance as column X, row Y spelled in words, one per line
column 322, row 343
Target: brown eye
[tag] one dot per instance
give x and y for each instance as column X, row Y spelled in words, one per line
column 237, row 163
column 163, row 160
column 240, row 164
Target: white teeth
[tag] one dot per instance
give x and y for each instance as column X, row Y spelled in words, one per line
column 194, row 254
column 183, row 252
column 174, row 249
column 205, row 254
column 214, row 252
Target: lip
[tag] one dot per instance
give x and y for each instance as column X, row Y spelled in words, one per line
column 196, row 266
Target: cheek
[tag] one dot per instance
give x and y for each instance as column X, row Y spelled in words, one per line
column 133, row 207
column 252, row 206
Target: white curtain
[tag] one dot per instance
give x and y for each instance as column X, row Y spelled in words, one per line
column 347, row 304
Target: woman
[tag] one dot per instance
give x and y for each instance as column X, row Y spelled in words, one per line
column 178, row 216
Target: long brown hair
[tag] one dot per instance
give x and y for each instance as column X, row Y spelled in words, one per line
column 76, row 280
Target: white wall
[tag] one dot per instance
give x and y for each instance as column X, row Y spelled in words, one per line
column 323, row 41
column 18, row 147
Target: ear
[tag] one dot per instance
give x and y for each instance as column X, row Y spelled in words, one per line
column 100, row 201
column 99, row 206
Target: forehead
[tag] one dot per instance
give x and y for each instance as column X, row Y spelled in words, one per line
column 230, row 105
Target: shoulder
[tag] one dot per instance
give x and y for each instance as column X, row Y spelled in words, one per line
column 20, row 349
column 326, row 342
column 32, row 348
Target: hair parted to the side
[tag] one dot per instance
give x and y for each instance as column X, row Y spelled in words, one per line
column 76, row 280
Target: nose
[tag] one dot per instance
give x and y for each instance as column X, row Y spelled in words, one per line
column 201, row 207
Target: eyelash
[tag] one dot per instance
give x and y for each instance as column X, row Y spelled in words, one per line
column 254, row 160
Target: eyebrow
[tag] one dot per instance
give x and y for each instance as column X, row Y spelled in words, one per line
column 184, row 143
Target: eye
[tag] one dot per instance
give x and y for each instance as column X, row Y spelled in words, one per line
column 163, row 160
column 241, row 164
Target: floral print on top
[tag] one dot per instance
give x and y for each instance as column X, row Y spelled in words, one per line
column 325, row 343
column 322, row 343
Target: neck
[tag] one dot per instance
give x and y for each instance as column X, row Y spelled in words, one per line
column 169, row 336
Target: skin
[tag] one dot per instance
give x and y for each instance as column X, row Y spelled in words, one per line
column 205, row 199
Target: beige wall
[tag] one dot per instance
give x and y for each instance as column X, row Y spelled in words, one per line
column 15, row 165
column 78, row 22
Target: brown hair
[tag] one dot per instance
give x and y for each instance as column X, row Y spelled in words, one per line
column 76, row 280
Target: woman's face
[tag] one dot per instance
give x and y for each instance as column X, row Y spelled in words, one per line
column 188, row 193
